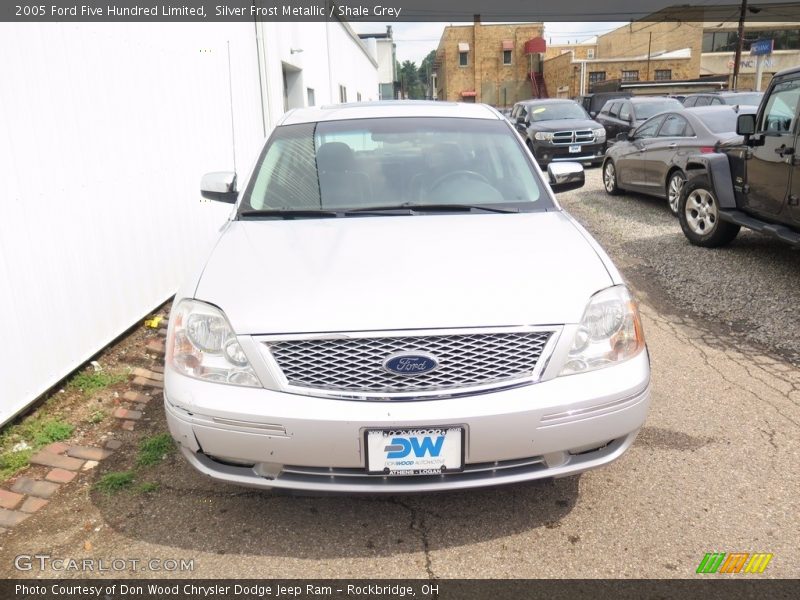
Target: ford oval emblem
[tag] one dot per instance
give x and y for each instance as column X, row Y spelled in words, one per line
column 410, row 363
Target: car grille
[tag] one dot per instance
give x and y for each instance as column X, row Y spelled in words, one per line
column 581, row 136
column 356, row 364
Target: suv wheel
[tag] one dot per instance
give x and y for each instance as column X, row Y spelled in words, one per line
column 698, row 212
column 674, row 187
column 610, row 178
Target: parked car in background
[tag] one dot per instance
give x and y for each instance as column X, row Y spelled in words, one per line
column 348, row 333
column 717, row 98
column 653, row 159
column 559, row 130
column 753, row 184
column 592, row 103
column 625, row 114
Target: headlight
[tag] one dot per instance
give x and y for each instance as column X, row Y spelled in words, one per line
column 610, row 332
column 202, row 345
column 543, row 136
column 599, row 134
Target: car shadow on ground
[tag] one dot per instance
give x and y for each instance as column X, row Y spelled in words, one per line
column 190, row 511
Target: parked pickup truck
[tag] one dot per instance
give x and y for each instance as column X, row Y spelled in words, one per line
column 754, row 181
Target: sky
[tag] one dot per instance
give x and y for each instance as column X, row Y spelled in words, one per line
column 415, row 40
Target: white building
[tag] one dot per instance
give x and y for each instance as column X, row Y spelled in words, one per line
column 385, row 50
column 105, row 131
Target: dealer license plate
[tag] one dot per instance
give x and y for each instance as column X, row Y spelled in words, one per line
column 574, row 149
column 420, row 451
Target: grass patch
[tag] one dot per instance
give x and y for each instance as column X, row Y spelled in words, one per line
column 33, row 433
column 152, row 450
column 114, row 482
column 148, row 487
column 90, row 382
column 97, row 416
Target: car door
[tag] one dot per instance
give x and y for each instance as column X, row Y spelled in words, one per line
column 793, row 201
column 774, row 146
column 660, row 153
column 630, row 164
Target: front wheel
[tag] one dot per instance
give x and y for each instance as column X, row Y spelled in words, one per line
column 674, row 187
column 610, row 178
column 698, row 211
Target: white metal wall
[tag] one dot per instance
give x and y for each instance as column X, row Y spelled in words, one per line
column 105, row 131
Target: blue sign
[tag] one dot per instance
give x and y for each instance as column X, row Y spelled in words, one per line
column 761, row 47
column 410, row 364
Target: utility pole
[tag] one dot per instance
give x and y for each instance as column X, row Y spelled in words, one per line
column 649, row 51
column 739, row 46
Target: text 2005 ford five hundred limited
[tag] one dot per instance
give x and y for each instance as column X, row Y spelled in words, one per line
column 398, row 304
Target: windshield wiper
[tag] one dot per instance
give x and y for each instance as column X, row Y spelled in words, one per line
column 290, row 213
column 421, row 208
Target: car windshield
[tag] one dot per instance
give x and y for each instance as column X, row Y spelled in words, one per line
column 645, row 110
column 397, row 163
column 551, row 112
column 753, row 99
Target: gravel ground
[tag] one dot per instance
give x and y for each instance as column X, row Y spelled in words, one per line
column 750, row 289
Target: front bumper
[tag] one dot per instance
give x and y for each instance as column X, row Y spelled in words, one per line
column 546, row 153
column 549, row 429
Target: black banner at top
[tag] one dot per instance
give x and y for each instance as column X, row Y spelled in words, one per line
column 393, row 10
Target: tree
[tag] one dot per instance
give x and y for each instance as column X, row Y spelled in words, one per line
column 410, row 85
column 424, row 71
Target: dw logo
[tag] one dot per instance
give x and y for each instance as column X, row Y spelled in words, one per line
column 402, row 447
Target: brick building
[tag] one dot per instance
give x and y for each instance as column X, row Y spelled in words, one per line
column 490, row 63
column 654, row 57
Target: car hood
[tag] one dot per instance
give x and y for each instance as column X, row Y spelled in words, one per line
column 564, row 124
column 402, row 272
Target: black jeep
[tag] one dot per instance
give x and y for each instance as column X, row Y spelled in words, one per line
column 753, row 182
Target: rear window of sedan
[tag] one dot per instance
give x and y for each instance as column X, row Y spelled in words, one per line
column 394, row 162
column 645, row 110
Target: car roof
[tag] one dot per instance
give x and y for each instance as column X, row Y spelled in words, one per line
column 389, row 108
column 643, row 99
column 543, row 101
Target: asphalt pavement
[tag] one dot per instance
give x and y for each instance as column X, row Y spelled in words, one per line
column 714, row 469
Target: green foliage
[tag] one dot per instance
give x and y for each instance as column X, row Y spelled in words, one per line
column 153, row 449
column 148, row 487
column 90, row 382
column 34, row 433
column 114, row 482
column 97, row 416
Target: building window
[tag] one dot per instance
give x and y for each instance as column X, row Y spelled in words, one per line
column 310, row 95
column 506, row 57
column 726, row 41
column 630, row 76
column 463, row 59
column 663, row 74
column 342, row 94
column 590, row 53
column 358, row 97
column 595, row 76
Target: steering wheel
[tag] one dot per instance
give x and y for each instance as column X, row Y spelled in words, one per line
column 460, row 173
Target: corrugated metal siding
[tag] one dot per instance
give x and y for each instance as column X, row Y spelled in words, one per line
column 105, row 131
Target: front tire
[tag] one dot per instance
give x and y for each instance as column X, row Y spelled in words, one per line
column 698, row 211
column 674, row 186
column 610, row 178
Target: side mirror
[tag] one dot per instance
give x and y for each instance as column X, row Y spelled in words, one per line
column 746, row 124
column 593, row 113
column 520, row 120
column 219, row 186
column 565, row 176
column 622, row 136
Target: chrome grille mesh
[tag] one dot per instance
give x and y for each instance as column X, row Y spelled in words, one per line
column 581, row 136
column 356, row 364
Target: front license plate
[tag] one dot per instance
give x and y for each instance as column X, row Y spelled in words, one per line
column 575, row 149
column 421, row 451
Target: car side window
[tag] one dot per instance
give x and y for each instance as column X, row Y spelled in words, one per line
column 613, row 110
column 674, row 126
column 689, row 102
column 781, row 111
column 648, row 129
column 625, row 111
column 716, row 101
column 703, row 101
